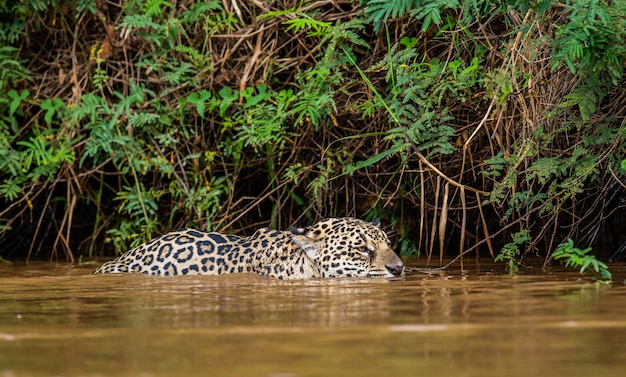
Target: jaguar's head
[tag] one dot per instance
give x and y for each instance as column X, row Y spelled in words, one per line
column 348, row 247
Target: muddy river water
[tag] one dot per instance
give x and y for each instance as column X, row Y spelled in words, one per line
column 58, row 320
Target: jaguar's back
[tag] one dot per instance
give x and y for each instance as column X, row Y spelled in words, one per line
column 184, row 252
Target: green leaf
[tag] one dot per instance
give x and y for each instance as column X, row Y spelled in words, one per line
column 16, row 100
column 199, row 100
column 379, row 11
column 577, row 258
column 408, row 42
column 306, row 22
column 51, row 107
column 262, row 95
column 10, row 189
column 228, row 96
column 351, row 168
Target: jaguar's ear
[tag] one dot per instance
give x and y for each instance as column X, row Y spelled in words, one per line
column 303, row 237
column 376, row 222
column 297, row 231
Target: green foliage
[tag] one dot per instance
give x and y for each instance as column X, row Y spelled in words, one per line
column 300, row 21
column 11, row 69
column 560, row 177
column 259, row 123
column 40, row 154
column 590, row 43
column 16, row 100
column 315, row 99
column 51, row 107
column 511, row 253
column 380, row 11
column 416, row 102
column 83, row 6
column 577, row 258
column 431, row 11
column 156, row 114
column 199, row 100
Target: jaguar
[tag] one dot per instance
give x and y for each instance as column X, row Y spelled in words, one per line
column 334, row 247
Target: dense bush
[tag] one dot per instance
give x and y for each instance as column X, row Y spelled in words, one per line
column 466, row 125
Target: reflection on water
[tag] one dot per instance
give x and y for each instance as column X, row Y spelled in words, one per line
column 57, row 320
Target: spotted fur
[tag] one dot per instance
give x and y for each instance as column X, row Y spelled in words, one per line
column 335, row 247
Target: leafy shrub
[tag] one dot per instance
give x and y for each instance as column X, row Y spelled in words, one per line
column 575, row 257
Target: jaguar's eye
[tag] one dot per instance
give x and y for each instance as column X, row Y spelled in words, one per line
column 365, row 251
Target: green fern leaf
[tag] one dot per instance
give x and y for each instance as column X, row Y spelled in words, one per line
column 379, row 11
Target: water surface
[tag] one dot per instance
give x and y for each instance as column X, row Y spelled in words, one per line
column 57, row 320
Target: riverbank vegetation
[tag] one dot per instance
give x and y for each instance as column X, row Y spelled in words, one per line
column 468, row 126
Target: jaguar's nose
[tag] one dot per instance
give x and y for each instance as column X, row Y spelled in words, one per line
column 395, row 270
